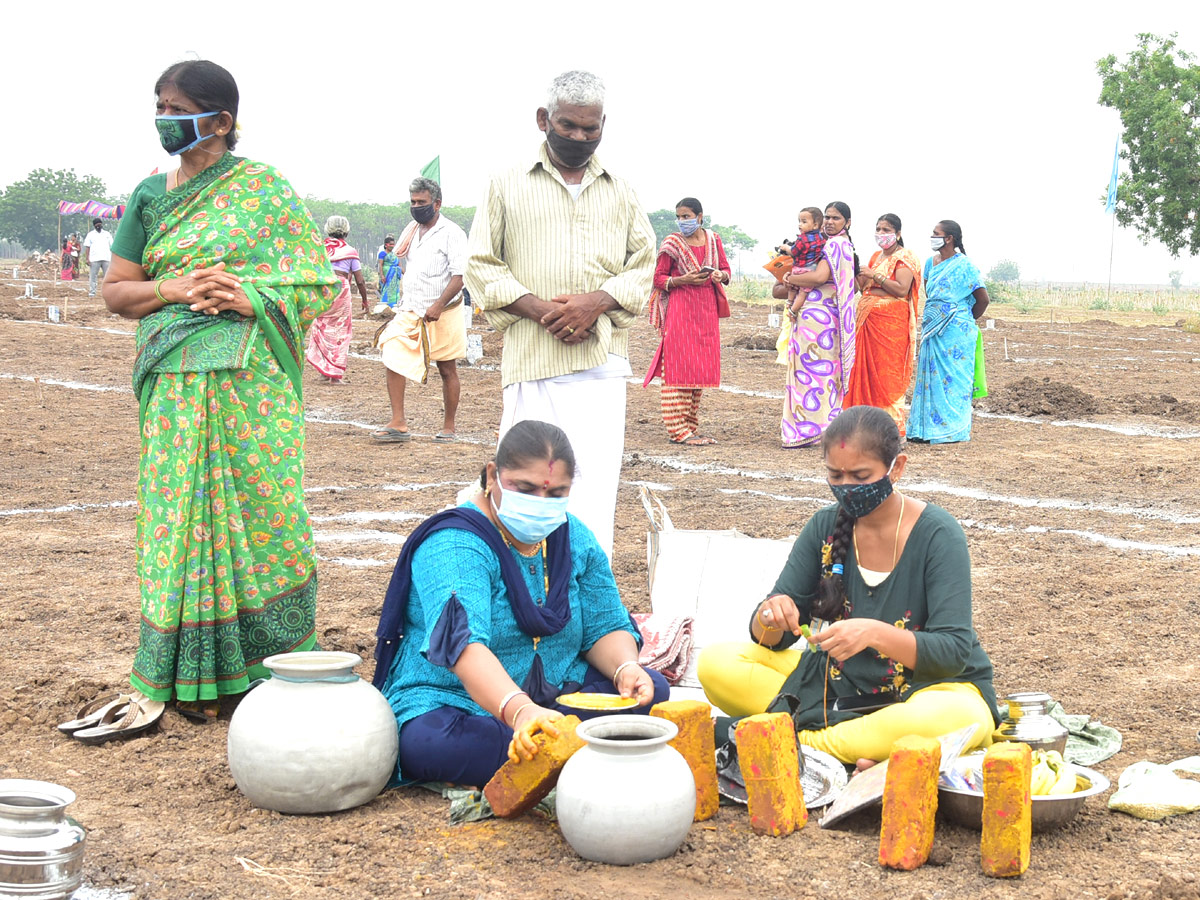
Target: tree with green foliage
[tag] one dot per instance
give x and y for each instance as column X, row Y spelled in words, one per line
column 663, row 223
column 29, row 208
column 371, row 222
column 1157, row 93
column 1006, row 270
column 1176, row 276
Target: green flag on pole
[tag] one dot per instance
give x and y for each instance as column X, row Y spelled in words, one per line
column 433, row 169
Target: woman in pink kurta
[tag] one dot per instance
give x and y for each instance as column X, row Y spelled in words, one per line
column 687, row 300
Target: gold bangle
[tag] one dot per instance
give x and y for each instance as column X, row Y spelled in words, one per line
column 158, row 291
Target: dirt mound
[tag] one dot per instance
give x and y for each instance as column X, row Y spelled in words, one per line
column 1042, row 397
column 755, row 342
column 1163, row 405
column 44, row 266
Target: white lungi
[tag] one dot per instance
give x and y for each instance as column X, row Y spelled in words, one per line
column 590, row 407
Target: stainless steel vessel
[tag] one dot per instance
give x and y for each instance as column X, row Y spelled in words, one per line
column 1028, row 722
column 41, row 847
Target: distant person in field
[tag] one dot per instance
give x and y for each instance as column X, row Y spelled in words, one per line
column 390, row 273
column 97, row 248
column 329, row 337
column 67, row 263
column 686, row 305
column 429, row 323
column 561, row 262
column 950, row 361
column 885, row 334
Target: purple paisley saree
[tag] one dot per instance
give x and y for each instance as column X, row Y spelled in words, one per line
column 820, row 351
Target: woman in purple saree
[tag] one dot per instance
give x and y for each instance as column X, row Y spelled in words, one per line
column 820, row 350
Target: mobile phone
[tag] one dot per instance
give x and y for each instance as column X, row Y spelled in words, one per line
column 863, row 703
column 707, row 270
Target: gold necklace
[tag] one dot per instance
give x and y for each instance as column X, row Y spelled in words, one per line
column 895, row 541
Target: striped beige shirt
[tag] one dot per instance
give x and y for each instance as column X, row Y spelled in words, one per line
column 530, row 237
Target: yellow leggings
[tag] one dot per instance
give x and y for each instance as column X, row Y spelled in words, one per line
column 742, row 678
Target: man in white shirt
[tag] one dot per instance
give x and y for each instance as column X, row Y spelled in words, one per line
column 98, row 247
column 428, row 324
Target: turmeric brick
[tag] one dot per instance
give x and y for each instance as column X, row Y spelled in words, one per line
column 518, row 787
column 770, row 765
column 695, row 743
column 1004, row 846
column 909, row 802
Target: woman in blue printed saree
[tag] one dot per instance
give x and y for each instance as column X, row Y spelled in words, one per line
column 224, row 270
column 947, row 361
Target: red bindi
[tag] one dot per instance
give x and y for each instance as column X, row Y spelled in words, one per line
column 546, row 484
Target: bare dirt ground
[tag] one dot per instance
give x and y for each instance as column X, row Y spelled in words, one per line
column 1082, row 527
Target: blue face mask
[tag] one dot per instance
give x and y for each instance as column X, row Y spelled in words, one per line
column 530, row 518
column 180, row 133
column 688, row 226
column 860, row 500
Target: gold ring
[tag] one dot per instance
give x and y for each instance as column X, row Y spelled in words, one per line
column 570, row 330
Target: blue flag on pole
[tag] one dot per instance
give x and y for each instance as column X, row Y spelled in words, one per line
column 1111, row 205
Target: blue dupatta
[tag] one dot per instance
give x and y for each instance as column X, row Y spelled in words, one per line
column 534, row 620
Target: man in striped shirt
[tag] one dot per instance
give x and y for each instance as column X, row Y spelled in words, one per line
column 560, row 259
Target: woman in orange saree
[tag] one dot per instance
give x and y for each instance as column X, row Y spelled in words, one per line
column 886, row 325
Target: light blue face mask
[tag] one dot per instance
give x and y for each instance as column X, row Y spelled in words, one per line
column 528, row 517
column 180, row 133
column 688, row 226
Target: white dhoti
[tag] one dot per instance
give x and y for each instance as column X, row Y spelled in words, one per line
column 591, row 410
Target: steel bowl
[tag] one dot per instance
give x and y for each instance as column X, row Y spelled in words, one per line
column 965, row 807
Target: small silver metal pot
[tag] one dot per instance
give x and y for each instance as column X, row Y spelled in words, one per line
column 1028, row 723
column 41, row 847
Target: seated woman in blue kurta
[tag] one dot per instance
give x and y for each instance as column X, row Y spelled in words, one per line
column 495, row 609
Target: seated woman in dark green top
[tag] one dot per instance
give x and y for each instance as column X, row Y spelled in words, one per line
column 883, row 583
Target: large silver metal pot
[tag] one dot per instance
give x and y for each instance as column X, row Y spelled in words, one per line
column 41, row 847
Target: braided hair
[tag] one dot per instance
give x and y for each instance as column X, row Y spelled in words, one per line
column 844, row 209
column 876, row 434
column 952, row 229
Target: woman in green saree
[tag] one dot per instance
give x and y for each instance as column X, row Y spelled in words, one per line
column 222, row 266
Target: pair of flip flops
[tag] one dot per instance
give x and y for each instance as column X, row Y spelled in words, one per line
column 392, row 436
column 396, row 436
column 114, row 717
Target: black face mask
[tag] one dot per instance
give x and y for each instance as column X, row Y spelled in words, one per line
column 572, row 154
column 423, row 214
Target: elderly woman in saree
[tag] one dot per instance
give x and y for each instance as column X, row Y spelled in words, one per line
column 224, row 271
column 820, row 349
column 885, row 335
column 329, row 341
column 950, row 361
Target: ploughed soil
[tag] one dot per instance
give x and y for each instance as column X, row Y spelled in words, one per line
column 1082, row 523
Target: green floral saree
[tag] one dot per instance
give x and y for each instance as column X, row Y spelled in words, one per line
column 225, row 555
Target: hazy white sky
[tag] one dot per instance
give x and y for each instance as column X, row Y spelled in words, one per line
column 983, row 113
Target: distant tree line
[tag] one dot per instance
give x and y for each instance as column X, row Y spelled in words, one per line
column 29, row 214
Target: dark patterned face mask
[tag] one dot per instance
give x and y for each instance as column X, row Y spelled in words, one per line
column 860, row 500
column 180, row 133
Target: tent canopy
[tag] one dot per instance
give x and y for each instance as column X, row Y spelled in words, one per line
column 90, row 208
